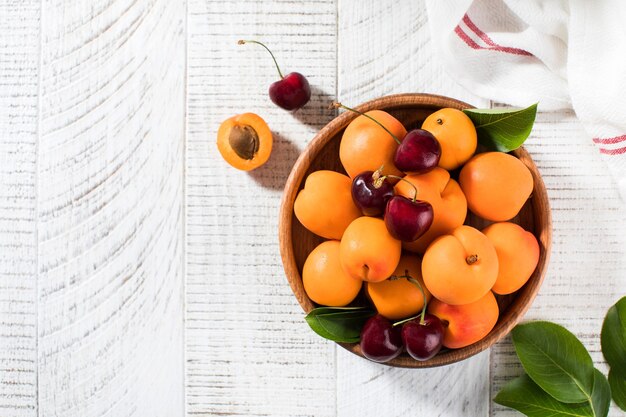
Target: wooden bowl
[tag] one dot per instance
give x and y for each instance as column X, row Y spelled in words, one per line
column 296, row 242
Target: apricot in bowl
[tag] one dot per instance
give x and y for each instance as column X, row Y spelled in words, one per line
column 322, row 153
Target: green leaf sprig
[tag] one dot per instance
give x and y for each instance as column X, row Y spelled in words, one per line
column 503, row 129
column 339, row 324
column 613, row 340
column 560, row 377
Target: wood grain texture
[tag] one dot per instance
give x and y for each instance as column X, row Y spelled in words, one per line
column 384, row 48
column 110, row 212
column 586, row 271
column 19, row 73
column 249, row 350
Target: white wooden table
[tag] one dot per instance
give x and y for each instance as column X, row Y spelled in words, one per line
column 140, row 275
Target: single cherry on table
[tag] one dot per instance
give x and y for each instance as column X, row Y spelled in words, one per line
column 292, row 91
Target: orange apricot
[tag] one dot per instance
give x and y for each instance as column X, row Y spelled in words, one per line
column 397, row 298
column 446, row 198
column 456, row 134
column 325, row 205
column 368, row 251
column 518, row 255
column 461, row 267
column 245, row 141
column 496, row 185
column 468, row 323
column 365, row 146
column 325, row 281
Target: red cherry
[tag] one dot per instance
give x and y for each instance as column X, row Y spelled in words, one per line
column 423, row 339
column 380, row 341
column 292, row 91
column 407, row 220
column 419, row 152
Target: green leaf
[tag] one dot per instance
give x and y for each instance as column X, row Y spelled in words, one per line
column 555, row 359
column 528, row 398
column 618, row 388
column 601, row 395
column 339, row 324
column 614, row 337
column 503, row 130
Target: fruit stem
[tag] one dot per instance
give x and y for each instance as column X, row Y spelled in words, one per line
column 471, row 259
column 241, row 42
column 408, row 182
column 419, row 286
column 377, row 177
column 337, row 105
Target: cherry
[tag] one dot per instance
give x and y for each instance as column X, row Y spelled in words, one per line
column 380, row 340
column 292, row 91
column 423, row 337
column 371, row 191
column 419, row 152
column 407, row 220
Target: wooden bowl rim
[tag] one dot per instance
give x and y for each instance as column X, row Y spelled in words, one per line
column 296, row 176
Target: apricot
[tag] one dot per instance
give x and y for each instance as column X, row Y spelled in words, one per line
column 368, row 251
column 496, row 185
column 461, row 267
column 467, row 323
column 365, row 146
column 456, row 134
column 518, row 255
column 446, row 198
column 397, row 298
column 325, row 281
column 245, row 141
column 325, row 206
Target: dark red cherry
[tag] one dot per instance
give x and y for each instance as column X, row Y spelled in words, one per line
column 370, row 193
column 292, row 91
column 418, row 153
column 407, row 220
column 380, row 341
column 423, row 340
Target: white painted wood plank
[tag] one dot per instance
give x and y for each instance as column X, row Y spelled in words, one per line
column 586, row 272
column 19, row 59
column 249, row 351
column 110, row 217
column 385, row 48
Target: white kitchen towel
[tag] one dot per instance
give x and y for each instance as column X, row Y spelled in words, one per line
column 563, row 54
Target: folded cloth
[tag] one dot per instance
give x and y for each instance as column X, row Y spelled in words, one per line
column 563, row 54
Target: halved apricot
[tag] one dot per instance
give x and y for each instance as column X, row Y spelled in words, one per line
column 365, row 146
column 245, row 141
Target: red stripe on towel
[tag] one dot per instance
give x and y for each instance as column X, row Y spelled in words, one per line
column 494, row 46
column 610, row 141
column 469, row 41
column 617, row 151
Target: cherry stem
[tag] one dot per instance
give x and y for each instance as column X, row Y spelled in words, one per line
column 419, row 286
column 408, row 182
column 241, row 42
column 337, row 105
column 471, row 259
column 377, row 177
